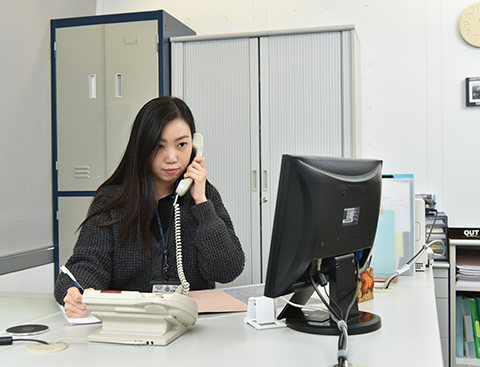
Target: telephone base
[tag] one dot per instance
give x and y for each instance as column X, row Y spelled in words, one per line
column 118, row 337
column 140, row 318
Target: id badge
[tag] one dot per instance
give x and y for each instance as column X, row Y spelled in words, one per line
column 161, row 285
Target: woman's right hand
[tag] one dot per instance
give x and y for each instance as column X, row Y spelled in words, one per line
column 74, row 306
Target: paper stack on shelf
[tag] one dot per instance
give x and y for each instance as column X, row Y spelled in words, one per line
column 468, row 267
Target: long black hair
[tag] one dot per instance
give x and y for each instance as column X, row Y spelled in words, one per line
column 137, row 194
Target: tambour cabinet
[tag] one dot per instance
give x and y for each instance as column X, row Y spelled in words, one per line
column 256, row 96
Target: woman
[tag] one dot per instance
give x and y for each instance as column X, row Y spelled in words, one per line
column 127, row 241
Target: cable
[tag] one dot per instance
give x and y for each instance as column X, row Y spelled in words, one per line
column 407, row 266
column 8, row 340
column 333, row 314
column 444, row 248
column 184, row 287
column 307, row 307
column 342, row 354
column 343, row 339
column 342, row 325
column 433, row 224
column 356, row 292
column 425, row 247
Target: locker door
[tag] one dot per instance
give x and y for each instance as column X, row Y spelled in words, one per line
column 131, row 72
column 73, row 211
column 80, row 107
column 105, row 73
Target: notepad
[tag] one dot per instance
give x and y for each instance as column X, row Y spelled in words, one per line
column 88, row 319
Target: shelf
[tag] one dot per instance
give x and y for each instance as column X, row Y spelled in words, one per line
column 464, row 243
column 468, row 362
column 457, row 245
column 468, row 288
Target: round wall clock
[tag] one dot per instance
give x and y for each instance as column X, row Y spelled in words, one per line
column 470, row 24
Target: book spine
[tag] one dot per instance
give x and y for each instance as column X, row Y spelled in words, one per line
column 475, row 326
column 469, row 342
column 459, row 325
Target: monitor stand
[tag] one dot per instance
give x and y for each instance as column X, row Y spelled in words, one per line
column 341, row 271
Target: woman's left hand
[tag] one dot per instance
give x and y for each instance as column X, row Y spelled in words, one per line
column 196, row 170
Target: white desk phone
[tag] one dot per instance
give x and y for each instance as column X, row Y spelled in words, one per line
column 130, row 317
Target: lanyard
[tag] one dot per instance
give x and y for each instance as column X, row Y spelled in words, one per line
column 164, row 240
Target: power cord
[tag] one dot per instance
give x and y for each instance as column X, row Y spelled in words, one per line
column 407, row 266
column 8, row 340
column 433, row 224
column 444, row 248
column 342, row 354
column 424, row 248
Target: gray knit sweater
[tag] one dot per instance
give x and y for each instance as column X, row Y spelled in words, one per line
column 210, row 249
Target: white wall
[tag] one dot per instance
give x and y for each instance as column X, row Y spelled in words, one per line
column 34, row 280
column 25, row 129
column 414, row 64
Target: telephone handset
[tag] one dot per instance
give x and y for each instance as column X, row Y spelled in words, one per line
column 181, row 190
column 185, row 184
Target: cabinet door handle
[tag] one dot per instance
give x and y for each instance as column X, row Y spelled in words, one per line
column 92, row 86
column 118, row 85
column 265, row 180
column 254, row 180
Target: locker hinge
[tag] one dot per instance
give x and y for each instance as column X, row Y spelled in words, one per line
column 55, row 49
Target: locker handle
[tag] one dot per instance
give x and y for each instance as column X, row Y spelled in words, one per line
column 92, row 86
column 118, row 85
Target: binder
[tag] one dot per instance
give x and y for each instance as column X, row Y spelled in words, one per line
column 476, row 325
column 469, row 342
column 459, row 325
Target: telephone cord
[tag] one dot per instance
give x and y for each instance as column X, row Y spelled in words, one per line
column 184, row 287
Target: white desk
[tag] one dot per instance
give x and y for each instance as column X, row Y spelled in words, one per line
column 409, row 336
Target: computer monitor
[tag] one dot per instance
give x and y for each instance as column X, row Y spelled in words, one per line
column 327, row 209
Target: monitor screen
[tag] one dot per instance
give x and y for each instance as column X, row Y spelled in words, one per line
column 325, row 222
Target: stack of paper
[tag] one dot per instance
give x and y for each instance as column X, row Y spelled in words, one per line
column 468, row 266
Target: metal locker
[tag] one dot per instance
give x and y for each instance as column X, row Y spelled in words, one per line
column 104, row 69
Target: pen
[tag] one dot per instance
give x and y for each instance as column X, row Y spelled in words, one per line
column 70, row 275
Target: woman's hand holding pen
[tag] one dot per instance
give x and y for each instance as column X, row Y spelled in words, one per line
column 74, row 306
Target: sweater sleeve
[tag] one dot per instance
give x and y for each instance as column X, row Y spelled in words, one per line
column 220, row 254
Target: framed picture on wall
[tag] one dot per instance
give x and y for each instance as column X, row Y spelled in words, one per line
column 472, row 87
